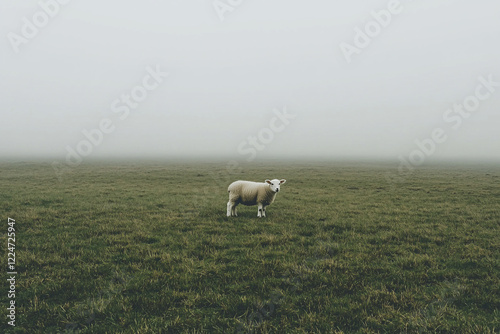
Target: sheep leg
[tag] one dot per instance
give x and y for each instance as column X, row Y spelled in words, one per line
column 231, row 209
column 259, row 213
column 263, row 211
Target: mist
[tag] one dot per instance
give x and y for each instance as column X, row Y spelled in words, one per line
column 250, row 80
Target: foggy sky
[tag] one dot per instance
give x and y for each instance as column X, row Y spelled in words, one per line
column 226, row 79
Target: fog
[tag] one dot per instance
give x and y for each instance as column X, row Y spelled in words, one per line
column 250, row 79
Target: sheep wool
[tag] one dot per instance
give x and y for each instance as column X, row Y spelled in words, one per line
column 252, row 193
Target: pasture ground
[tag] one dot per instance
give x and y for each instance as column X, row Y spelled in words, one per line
column 147, row 248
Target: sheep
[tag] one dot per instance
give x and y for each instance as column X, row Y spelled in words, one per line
column 252, row 193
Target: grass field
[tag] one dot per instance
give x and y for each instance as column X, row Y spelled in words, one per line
column 147, row 248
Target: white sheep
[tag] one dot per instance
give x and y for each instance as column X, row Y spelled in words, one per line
column 252, row 193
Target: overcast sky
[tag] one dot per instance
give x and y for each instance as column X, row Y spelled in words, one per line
column 232, row 68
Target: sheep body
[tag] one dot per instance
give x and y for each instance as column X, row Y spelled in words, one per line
column 252, row 193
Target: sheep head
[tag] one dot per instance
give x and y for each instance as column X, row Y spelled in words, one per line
column 275, row 184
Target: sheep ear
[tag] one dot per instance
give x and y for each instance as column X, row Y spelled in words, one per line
column 282, row 181
column 269, row 182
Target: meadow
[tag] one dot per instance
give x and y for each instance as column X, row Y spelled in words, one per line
column 147, row 248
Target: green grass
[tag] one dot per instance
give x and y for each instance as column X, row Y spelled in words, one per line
column 147, row 248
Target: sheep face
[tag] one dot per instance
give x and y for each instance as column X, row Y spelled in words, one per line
column 275, row 184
